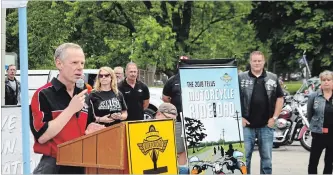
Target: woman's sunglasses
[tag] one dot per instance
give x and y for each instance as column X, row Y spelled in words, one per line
column 103, row 75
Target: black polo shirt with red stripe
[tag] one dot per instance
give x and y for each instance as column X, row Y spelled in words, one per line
column 47, row 104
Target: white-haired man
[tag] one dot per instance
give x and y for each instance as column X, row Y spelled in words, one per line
column 59, row 111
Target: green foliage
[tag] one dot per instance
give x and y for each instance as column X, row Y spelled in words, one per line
column 46, row 30
column 153, row 44
column 290, row 28
column 149, row 32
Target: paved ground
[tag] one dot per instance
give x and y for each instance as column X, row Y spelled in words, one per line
column 291, row 159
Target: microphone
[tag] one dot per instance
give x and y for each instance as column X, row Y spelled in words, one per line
column 79, row 84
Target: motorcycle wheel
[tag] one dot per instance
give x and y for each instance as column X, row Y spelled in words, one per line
column 304, row 144
column 275, row 145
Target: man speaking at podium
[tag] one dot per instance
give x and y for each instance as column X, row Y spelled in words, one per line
column 59, row 112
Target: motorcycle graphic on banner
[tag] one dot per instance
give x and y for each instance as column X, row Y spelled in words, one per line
column 212, row 114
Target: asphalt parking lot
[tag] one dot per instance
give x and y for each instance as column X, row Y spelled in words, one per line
column 292, row 159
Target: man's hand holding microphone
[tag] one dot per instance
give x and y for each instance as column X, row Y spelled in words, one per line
column 77, row 102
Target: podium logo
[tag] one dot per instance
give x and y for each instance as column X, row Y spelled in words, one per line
column 153, row 144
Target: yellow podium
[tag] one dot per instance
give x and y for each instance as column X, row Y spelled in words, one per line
column 137, row 147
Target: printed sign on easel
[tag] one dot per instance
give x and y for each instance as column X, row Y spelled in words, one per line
column 212, row 112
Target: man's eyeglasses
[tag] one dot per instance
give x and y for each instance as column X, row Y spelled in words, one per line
column 103, row 75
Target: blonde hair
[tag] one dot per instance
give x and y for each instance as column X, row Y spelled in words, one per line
column 326, row 73
column 113, row 83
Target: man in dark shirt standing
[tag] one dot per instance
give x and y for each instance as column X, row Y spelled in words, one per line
column 262, row 101
column 172, row 92
column 135, row 92
column 12, row 87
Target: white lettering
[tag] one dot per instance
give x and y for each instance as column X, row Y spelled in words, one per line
column 202, row 110
column 6, row 169
column 206, row 110
column 212, row 94
column 192, row 111
column 210, row 110
column 8, row 146
column 9, row 121
column 16, row 167
column 207, row 95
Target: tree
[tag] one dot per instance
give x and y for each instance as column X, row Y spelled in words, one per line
column 46, row 30
column 290, row 28
column 151, row 33
column 194, row 132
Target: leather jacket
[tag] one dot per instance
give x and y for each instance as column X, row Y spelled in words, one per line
column 12, row 97
column 246, row 83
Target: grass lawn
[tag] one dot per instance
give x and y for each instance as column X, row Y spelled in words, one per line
column 293, row 86
column 225, row 147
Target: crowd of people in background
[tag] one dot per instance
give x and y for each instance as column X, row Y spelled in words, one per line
column 112, row 99
column 117, row 95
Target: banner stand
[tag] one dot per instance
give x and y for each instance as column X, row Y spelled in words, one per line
column 212, row 114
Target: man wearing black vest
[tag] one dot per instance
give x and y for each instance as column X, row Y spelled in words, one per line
column 262, row 101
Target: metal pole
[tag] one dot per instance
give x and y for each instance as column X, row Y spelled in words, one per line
column 23, row 46
column 308, row 75
column 3, row 53
column 240, row 139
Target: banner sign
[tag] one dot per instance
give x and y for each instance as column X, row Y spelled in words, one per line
column 13, row 3
column 151, row 147
column 212, row 112
column 11, row 142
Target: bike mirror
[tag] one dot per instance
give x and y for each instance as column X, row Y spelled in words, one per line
column 194, row 159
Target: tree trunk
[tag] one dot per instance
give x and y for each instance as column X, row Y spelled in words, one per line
column 316, row 68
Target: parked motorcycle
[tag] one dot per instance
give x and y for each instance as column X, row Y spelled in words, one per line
column 304, row 135
column 289, row 124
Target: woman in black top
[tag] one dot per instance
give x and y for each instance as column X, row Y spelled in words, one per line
column 108, row 104
column 320, row 115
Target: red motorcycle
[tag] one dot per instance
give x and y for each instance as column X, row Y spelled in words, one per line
column 289, row 126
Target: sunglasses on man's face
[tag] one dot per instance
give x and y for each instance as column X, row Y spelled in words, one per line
column 104, row 75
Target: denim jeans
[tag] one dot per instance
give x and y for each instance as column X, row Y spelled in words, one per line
column 265, row 142
column 183, row 170
column 47, row 165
